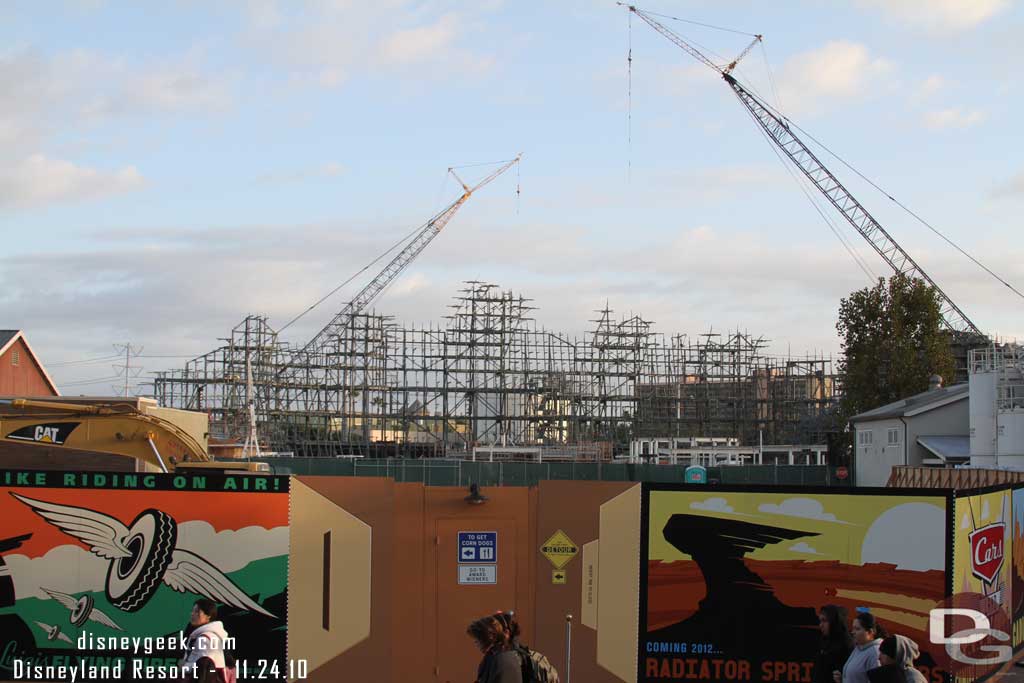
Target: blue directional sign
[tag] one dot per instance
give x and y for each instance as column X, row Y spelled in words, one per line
column 476, row 547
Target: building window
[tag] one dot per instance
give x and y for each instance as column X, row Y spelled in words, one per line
column 865, row 438
column 893, row 436
column 15, row 357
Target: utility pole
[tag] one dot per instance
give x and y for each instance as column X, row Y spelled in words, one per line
column 127, row 370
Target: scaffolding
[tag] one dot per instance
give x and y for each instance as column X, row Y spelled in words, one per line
column 488, row 376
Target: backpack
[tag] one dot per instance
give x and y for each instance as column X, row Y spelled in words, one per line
column 536, row 667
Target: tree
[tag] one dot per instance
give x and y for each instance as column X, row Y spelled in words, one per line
column 893, row 342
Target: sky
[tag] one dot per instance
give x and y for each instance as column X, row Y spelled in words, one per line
column 167, row 169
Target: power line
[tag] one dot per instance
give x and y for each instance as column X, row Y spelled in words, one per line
column 129, row 352
column 83, row 361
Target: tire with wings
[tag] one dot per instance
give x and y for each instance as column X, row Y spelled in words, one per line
column 80, row 612
column 132, row 580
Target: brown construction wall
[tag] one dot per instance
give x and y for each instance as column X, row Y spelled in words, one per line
column 574, row 508
column 418, row 612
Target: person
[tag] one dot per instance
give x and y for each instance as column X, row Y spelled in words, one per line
column 836, row 643
column 501, row 663
column 867, row 636
column 510, row 626
column 205, row 644
column 897, row 653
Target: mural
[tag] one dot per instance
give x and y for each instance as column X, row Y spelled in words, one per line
column 102, row 569
column 1017, row 570
column 982, row 575
column 732, row 582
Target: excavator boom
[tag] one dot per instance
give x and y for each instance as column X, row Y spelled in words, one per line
column 114, row 429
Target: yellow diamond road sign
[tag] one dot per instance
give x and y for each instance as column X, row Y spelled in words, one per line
column 559, row 549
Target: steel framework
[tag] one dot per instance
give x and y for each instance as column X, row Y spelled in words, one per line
column 488, row 375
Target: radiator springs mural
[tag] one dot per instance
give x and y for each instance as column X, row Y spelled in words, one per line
column 731, row 583
column 97, row 571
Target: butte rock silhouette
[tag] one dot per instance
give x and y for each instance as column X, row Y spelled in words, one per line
column 740, row 614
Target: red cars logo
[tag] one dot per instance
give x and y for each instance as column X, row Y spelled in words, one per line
column 987, row 551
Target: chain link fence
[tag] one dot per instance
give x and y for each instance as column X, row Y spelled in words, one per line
column 444, row 472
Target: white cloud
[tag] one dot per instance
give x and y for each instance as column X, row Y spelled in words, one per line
column 39, row 180
column 326, row 44
column 930, row 86
column 954, row 118
column 43, row 96
column 329, row 169
column 943, row 15
column 230, row 550
column 65, row 568
column 411, row 45
column 813, row 81
column 803, row 548
column 1013, row 187
column 807, row 508
column 712, row 505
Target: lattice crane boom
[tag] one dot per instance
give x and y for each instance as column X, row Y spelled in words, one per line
column 431, row 229
column 780, row 133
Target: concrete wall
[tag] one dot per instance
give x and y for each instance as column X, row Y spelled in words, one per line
column 875, row 462
column 949, row 420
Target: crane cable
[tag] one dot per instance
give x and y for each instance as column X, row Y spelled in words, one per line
column 802, row 184
column 845, row 163
column 629, row 99
column 908, row 210
column 394, row 246
column 872, row 183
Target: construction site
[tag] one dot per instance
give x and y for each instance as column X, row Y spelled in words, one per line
column 488, row 377
column 488, row 382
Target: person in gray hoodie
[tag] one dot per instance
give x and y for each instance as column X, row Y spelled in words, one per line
column 900, row 652
column 867, row 636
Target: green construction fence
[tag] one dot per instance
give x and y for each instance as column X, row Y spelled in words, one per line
column 445, row 472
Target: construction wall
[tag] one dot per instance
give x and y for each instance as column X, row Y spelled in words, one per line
column 654, row 581
column 402, row 552
column 732, row 580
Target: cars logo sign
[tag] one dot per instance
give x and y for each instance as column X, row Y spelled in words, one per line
column 987, row 551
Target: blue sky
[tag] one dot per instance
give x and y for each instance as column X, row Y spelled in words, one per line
column 165, row 170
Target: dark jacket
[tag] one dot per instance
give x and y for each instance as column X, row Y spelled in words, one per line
column 500, row 666
column 831, row 657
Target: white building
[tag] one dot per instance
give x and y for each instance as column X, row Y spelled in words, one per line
column 978, row 424
column 930, row 428
column 997, row 406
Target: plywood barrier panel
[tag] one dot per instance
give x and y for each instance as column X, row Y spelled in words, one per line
column 572, row 508
column 619, row 584
column 732, row 581
column 359, row 514
column 89, row 558
column 465, row 587
column 329, row 578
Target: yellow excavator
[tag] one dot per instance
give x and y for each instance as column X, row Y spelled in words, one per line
column 111, row 428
